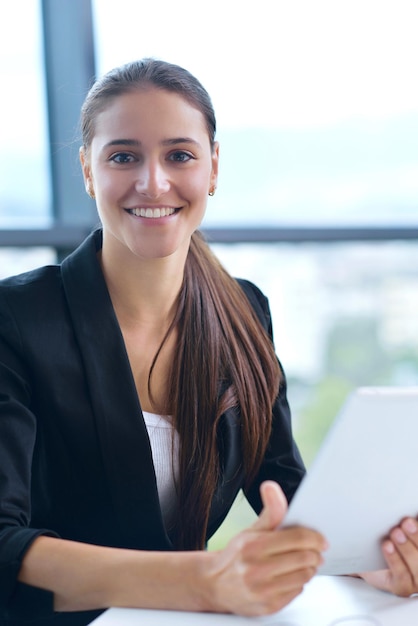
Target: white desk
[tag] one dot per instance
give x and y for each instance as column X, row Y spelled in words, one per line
column 324, row 600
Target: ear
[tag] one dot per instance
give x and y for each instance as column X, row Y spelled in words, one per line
column 85, row 166
column 215, row 164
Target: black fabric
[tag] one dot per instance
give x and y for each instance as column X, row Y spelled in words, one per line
column 79, row 618
column 75, row 458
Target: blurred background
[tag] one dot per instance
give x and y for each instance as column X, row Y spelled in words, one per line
column 317, row 108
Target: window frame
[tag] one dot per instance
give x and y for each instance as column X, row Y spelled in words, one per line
column 73, row 212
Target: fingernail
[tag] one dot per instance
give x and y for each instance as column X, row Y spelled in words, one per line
column 399, row 536
column 388, row 547
column 410, row 526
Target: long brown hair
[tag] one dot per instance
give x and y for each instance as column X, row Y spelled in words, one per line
column 224, row 357
column 221, row 345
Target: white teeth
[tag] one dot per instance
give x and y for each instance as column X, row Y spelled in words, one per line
column 153, row 213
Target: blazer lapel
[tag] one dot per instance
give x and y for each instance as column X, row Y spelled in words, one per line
column 120, row 426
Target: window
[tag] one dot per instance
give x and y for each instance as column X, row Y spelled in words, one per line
column 316, row 102
column 24, row 166
column 317, row 108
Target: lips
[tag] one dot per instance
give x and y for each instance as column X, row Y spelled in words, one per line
column 153, row 213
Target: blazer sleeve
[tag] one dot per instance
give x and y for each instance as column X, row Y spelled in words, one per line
column 17, row 440
column 282, row 461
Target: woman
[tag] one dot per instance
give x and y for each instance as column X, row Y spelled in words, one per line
column 139, row 390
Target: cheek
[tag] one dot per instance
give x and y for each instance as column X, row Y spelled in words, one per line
column 110, row 187
column 197, row 186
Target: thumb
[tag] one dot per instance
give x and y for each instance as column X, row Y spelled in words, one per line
column 274, row 506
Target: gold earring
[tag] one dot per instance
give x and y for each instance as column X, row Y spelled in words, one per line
column 212, row 192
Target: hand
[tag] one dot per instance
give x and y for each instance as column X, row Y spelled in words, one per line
column 263, row 568
column 400, row 551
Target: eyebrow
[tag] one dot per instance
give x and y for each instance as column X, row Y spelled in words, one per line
column 167, row 142
column 176, row 140
column 123, row 142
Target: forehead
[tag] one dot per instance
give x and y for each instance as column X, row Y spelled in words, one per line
column 152, row 113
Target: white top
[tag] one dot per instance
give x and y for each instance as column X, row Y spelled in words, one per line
column 165, row 454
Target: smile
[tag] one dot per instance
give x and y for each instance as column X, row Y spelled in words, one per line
column 152, row 213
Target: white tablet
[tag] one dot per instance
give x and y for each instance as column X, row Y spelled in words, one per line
column 364, row 479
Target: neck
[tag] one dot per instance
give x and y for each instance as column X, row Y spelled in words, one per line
column 143, row 291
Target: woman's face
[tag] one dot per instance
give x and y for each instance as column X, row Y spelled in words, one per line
column 151, row 166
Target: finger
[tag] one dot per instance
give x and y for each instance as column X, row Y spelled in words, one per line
column 402, row 538
column 410, row 528
column 287, row 564
column 405, row 545
column 399, row 580
column 260, row 545
column 278, row 592
column 401, row 556
column 290, row 583
column 381, row 579
column 274, row 506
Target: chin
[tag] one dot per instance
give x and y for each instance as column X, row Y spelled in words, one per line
column 155, row 252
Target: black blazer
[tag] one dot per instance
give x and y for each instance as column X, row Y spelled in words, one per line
column 75, row 458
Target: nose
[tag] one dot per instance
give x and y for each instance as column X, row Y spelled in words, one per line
column 152, row 180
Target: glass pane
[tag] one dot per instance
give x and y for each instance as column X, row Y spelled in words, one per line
column 24, row 181
column 344, row 315
column 17, row 260
column 316, row 102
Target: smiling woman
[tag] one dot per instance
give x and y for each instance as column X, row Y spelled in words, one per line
column 98, row 507
column 150, row 157
column 141, row 327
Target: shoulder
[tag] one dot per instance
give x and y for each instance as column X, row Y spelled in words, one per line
column 257, row 300
column 252, row 291
column 27, row 279
column 36, row 284
column 45, row 284
column 28, row 302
